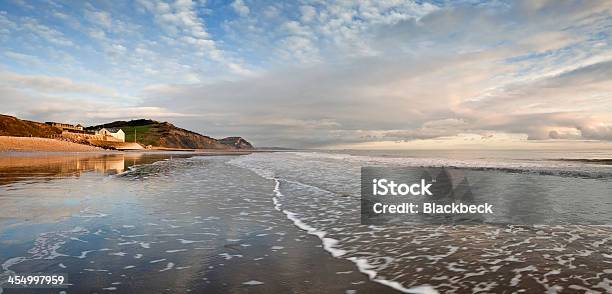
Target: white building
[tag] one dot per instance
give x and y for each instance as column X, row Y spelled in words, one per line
column 111, row 134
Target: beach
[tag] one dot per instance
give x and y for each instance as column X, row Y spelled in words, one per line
column 282, row 222
column 171, row 222
column 8, row 143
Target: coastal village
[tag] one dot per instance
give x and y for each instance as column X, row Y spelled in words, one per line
column 103, row 134
column 113, row 138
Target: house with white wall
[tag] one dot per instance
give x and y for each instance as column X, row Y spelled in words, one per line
column 111, row 134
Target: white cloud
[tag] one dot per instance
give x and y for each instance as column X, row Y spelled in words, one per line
column 311, row 31
column 100, row 18
column 23, row 58
column 45, row 32
column 240, row 8
column 308, row 13
column 181, row 23
column 404, row 98
column 44, row 107
column 61, row 15
column 271, row 12
column 177, row 18
column 5, row 22
column 50, row 84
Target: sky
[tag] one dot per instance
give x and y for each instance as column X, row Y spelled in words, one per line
column 318, row 74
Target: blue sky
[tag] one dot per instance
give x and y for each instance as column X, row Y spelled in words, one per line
column 318, row 74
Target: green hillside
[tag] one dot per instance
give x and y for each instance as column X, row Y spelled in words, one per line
column 144, row 135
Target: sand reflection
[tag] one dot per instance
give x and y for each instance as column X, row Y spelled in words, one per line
column 16, row 167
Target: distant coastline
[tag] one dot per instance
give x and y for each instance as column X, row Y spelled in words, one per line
column 140, row 134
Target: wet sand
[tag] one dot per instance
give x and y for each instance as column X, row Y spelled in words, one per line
column 194, row 224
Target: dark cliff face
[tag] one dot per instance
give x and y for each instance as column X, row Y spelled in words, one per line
column 236, row 142
column 174, row 137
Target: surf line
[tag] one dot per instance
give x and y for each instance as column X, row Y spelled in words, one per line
column 329, row 245
column 277, row 193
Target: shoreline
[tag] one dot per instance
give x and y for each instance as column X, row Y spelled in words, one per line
column 36, row 145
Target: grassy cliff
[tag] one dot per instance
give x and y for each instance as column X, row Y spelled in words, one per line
column 143, row 134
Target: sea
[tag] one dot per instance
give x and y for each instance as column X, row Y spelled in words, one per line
column 290, row 222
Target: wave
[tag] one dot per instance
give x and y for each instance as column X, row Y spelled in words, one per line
column 604, row 161
column 307, row 184
column 330, row 244
column 579, row 168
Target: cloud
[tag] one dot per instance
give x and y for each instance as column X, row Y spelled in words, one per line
column 431, row 129
column 6, row 23
column 240, row 8
column 362, row 99
column 546, row 108
column 100, row 18
column 308, row 13
column 318, row 31
column 531, row 79
column 81, row 109
column 323, row 73
column 24, row 58
column 183, row 26
column 597, row 132
column 49, row 84
column 45, row 32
